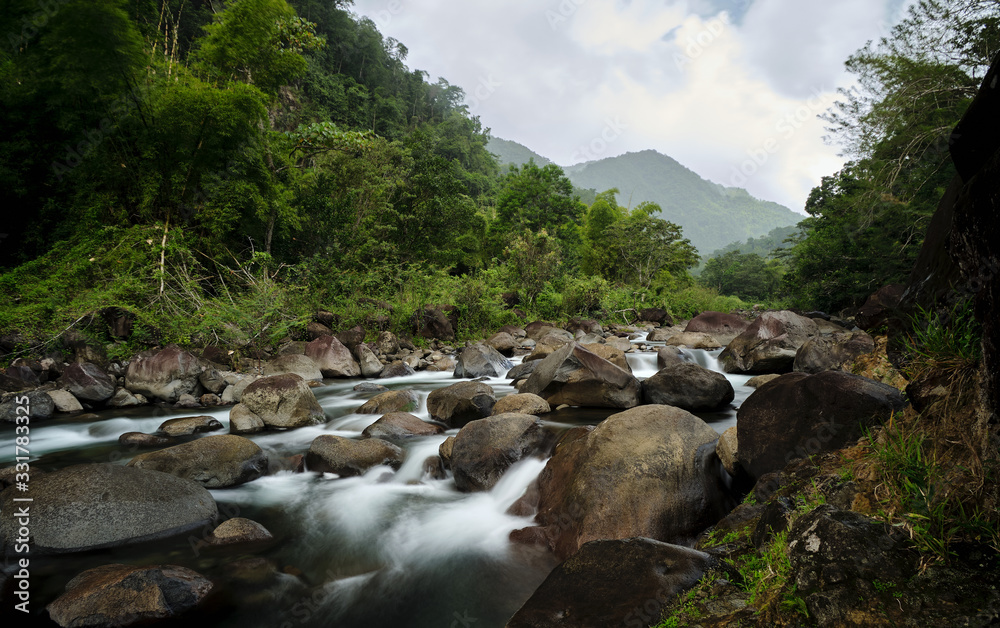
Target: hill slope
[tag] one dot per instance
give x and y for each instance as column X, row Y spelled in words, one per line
column 711, row 215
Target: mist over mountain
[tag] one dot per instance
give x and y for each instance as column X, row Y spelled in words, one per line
column 711, row 215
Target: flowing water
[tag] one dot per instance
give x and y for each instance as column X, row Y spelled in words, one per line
column 383, row 549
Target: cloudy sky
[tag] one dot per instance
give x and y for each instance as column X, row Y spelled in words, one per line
column 730, row 88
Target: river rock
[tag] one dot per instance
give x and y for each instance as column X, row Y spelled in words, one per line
column 650, row 471
column 832, row 352
column 576, row 376
column 242, row 420
column 431, row 322
column 316, row 330
column 333, row 358
column 666, row 356
column 724, row 328
column 125, row 595
column 189, row 425
column 728, row 451
column 693, row 340
column 348, row 457
column 611, row 353
column 660, row 335
column 212, row 380
column 524, row 403
column 239, row 530
column 769, row 345
column 284, row 401
column 460, row 403
column 34, row 405
column 688, row 386
column 18, row 378
column 396, row 427
column 798, row 415
column 213, row 461
column 87, row 382
column 521, row 371
column 486, row 448
column 760, row 380
column 301, row 365
column 165, row 375
column 504, row 343
column 627, row 582
column 368, row 361
column 481, row 361
column 93, row 506
column 135, row 440
column 125, row 399
column 387, row 343
column 391, row 401
column 657, row 316
column 396, row 369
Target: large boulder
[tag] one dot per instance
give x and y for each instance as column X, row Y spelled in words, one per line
column 283, row 401
column 301, row 365
column 694, row 340
column 431, row 322
column 770, row 343
column 688, row 386
column 397, row 427
column 213, row 461
column 391, row 401
column 333, row 358
column 368, row 361
column 650, row 471
column 243, row 421
column 17, row 378
column 575, row 376
column 87, row 382
column 348, row 457
column 798, row 415
column 485, row 449
column 626, row 582
column 165, row 375
column 503, row 342
column 880, row 307
column 125, row 595
column 611, row 353
column 460, row 403
column 93, row 506
column 34, row 405
column 482, row 361
column 656, row 315
column 186, row 426
column 828, row 353
column 524, row 403
column 723, row 327
column 64, row 401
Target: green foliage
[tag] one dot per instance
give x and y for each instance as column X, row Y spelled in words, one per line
column 745, row 275
column 690, row 302
column 950, row 339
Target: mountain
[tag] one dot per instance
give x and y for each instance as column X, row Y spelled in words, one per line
column 509, row 152
column 711, row 215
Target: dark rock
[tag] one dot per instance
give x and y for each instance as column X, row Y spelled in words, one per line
column 650, row 471
column 18, row 378
column 391, row 401
column 352, row 337
column 832, row 352
column 333, row 358
column 723, row 327
column 213, row 461
column 485, row 449
column 798, row 415
column 165, row 375
column 239, row 530
column 575, row 376
column 769, row 345
column 656, row 315
column 283, row 401
column 522, row 371
column 626, row 582
column 396, row 427
column 217, row 355
column 138, row 439
column 396, row 369
column 432, row 323
column 189, row 425
column 124, row 595
column 39, row 406
column 316, row 330
column 94, row 506
column 588, row 326
column 88, row 382
column 503, row 343
column 880, row 307
column 460, row 403
column 370, row 387
column 482, row 361
column 688, row 386
column 666, row 356
column 348, row 457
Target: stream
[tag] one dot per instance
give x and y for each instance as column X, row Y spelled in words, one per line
column 383, row 549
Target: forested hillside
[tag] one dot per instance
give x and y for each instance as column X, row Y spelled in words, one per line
column 711, row 215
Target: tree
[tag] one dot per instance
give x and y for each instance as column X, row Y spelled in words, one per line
column 642, row 246
column 745, row 275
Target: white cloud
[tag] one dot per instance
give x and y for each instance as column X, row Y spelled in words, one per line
column 708, row 82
